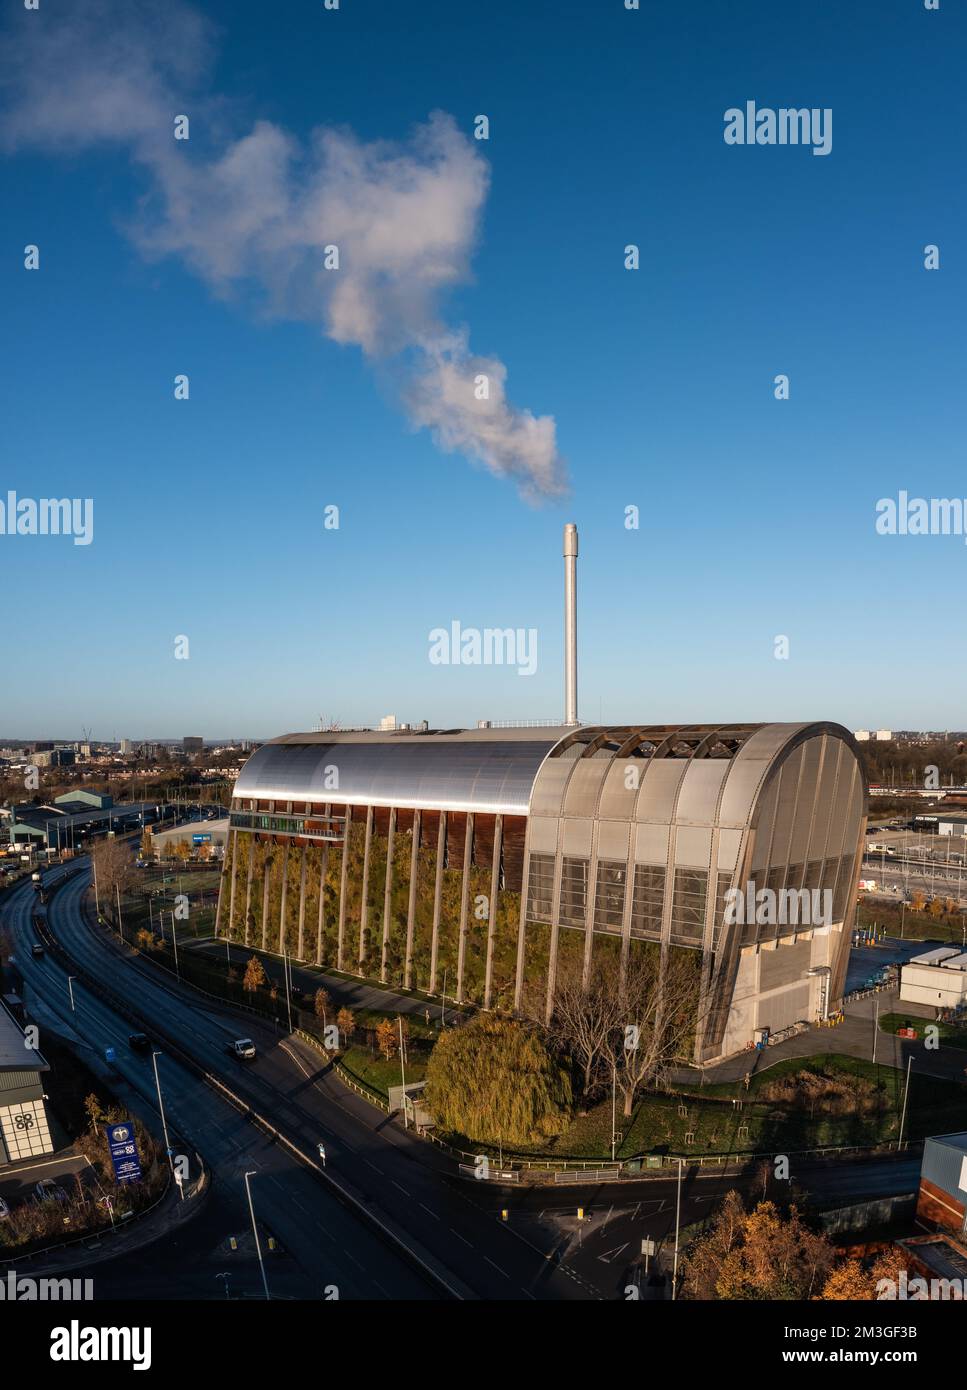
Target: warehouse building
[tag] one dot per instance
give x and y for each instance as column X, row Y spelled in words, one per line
column 482, row 863
column 937, row 977
column 942, row 1199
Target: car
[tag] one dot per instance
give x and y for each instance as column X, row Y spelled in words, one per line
column 4, row 1210
column 139, row 1042
column 37, row 950
column 49, row 1191
column 242, row 1048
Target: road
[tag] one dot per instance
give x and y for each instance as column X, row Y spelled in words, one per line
column 324, row 1243
column 404, row 1182
column 540, row 1251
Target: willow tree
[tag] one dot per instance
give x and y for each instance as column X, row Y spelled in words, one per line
column 493, row 1080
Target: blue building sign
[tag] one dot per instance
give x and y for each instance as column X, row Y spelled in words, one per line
column 201, row 839
column 124, row 1151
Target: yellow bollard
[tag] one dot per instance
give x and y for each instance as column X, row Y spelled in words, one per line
column 504, row 1214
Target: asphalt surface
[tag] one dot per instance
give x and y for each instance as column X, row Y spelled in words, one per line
column 323, row 1243
column 405, row 1182
column 503, row 1243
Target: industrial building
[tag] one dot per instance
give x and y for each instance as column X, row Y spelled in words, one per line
column 942, row 1198
column 937, row 977
column 477, row 862
column 24, row 1129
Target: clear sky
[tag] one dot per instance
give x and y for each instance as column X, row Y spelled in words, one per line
column 353, row 387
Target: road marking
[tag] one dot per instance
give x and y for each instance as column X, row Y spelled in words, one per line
column 400, row 1186
column 456, row 1233
column 496, row 1267
column 430, row 1213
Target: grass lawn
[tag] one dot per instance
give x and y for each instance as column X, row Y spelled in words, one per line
column 952, row 1034
column 658, row 1124
column 374, row 1071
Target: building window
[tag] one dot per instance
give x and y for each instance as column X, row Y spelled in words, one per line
column 540, row 887
column 688, row 907
column 724, row 883
column 609, row 897
column 574, row 892
column 648, row 901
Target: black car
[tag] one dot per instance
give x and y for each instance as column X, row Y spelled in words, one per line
column 139, row 1042
column 37, row 950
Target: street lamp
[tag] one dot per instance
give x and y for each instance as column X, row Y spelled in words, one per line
column 255, row 1231
column 164, row 1123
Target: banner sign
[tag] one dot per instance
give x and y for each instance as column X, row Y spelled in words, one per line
column 124, row 1151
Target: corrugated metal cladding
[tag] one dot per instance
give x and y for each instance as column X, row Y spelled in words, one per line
column 945, row 1164
column 485, row 770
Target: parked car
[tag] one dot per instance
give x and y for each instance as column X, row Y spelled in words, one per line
column 49, row 1191
column 139, row 1042
column 243, row 1048
column 4, row 1209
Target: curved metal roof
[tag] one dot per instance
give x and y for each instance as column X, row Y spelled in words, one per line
column 704, row 771
column 486, row 770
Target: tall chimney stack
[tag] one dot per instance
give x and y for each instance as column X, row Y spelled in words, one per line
column 570, row 624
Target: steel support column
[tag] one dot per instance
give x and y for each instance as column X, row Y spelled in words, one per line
column 343, row 888
column 411, row 903
column 492, row 918
column 464, row 905
column 441, row 841
column 364, row 905
column 387, row 893
column 300, row 949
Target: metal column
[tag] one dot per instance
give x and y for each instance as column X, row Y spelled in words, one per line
column 411, row 903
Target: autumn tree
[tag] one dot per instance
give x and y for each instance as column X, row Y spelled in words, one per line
column 759, row 1254
column 254, row 975
column 860, row 1280
column 346, row 1023
column 322, row 1005
column 386, row 1039
column 494, row 1079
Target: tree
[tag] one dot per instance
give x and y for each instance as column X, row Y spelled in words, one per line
column 346, row 1023
column 254, row 975
column 147, row 844
column 114, row 867
column 584, row 1017
column 386, row 1039
column 494, row 1079
column 657, row 1000
column 757, row 1254
column 322, row 1004
column 854, row 1279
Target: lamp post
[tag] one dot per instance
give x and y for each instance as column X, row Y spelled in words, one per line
column 678, row 1216
column 403, row 1073
column 164, row 1123
column 255, row 1232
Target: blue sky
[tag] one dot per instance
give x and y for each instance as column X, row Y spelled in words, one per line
column 757, row 516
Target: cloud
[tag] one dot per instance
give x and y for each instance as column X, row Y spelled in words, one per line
column 252, row 215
